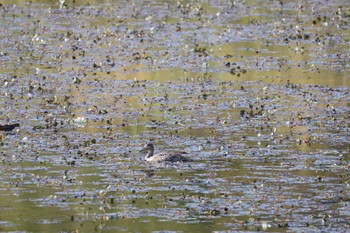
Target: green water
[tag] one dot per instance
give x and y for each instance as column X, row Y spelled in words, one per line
column 256, row 93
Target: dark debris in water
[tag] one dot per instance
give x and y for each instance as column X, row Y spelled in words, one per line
column 257, row 96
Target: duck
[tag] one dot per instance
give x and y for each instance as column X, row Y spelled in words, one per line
column 8, row 127
column 162, row 157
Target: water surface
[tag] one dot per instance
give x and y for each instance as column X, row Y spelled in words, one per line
column 256, row 93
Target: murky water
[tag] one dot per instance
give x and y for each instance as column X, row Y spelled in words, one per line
column 256, row 93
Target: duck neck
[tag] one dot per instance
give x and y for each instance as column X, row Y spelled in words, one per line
column 150, row 153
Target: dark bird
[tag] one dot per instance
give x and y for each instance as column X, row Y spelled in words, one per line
column 8, row 127
column 163, row 156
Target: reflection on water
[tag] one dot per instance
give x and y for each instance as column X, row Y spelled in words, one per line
column 256, row 94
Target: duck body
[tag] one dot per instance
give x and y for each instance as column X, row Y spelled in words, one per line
column 8, row 127
column 162, row 157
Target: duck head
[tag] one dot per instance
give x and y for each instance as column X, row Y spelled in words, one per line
column 148, row 147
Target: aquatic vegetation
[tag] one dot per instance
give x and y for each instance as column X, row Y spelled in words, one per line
column 256, row 94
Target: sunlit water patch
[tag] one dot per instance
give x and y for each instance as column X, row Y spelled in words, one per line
column 255, row 95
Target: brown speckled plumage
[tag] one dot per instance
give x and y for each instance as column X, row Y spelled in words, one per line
column 163, row 156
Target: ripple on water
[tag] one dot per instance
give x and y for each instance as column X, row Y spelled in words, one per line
column 256, row 94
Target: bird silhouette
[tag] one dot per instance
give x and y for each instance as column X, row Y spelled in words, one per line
column 8, row 127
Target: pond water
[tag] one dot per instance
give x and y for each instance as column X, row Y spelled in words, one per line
column 257, row 93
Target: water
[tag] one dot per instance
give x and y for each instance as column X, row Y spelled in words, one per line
column 256, row 94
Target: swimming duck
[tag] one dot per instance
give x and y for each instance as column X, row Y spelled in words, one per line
column 163, row 156
column 8, row 127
